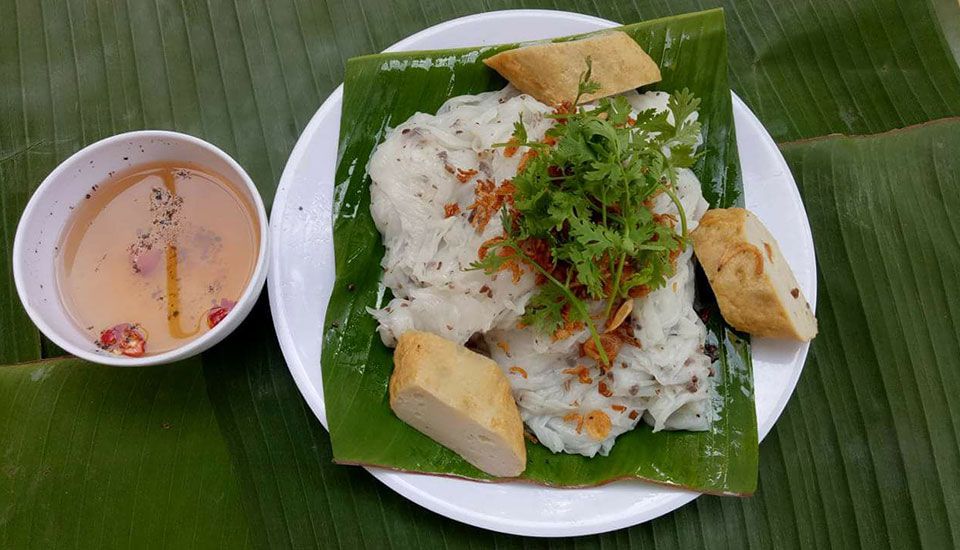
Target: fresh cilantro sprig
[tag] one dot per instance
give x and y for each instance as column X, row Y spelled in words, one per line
column 555, row 304
column 588, row 197
column 586, row 85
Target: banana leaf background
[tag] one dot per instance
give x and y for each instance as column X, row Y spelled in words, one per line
column 862, row 95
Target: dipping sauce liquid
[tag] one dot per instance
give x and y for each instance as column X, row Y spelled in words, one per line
column 159, row 253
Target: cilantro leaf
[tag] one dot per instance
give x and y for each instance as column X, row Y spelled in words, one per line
column 586, row 85
column 582, row 205
column 519, row 130
column 544, row 311
column 682, row 104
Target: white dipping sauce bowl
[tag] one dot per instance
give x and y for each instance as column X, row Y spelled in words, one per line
column 41, row 227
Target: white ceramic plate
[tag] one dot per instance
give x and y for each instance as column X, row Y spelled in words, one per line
column 302, row 275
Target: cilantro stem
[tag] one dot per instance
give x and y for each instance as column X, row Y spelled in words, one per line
column 586, row 86
column 603, row 201
column 683, row 216
column 615, row 289
column 574, row 301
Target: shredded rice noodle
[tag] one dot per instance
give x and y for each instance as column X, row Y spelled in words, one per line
column 417, row 173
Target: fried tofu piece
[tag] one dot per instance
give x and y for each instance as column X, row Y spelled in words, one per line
column 551, row 72
column 755, row 288
column 460, row 399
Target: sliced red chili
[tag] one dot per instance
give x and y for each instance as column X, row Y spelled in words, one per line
column 124, row 339
column 133, row 345
column 215, row 315
column 108, row 338
column 218, row 312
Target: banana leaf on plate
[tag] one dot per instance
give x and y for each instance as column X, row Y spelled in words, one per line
column 381, row 91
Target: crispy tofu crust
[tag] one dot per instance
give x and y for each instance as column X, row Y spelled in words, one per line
column 551, row 72
column 755, row 288
column 459, row 398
